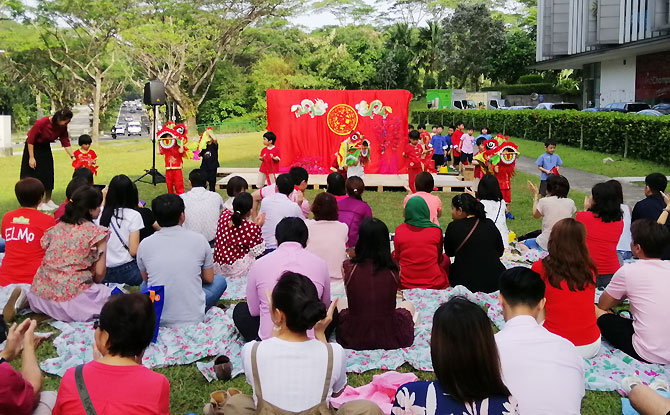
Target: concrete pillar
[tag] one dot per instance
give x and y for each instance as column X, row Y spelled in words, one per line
column 5, row 135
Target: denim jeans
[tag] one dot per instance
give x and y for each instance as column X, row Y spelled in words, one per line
column 127, row 273
column 2, row 245
column 213, row 291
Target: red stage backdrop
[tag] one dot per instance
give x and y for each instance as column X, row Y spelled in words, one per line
column 311, row 124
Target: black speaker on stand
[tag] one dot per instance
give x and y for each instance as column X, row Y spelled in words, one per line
column 154, row 95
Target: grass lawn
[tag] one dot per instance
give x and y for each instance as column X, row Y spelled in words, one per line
column 189, row 390
column 592, row 161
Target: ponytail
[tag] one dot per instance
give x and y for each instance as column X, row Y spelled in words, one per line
column 242, row 204
column 78, row 209
column 469, row 205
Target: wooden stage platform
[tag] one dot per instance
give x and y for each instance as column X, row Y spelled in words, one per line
column 378, row 181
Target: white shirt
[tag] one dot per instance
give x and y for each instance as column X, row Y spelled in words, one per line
column 626, row 237
column 543, row 371
column 496, row 212
column 126, row 222
column 276, row 207
column 202, row 211
column 228, row 204
column 302, row 365
column 553, row 209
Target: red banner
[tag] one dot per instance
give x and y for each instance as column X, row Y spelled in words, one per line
column 311, row 124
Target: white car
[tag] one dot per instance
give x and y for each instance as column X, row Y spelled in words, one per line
column 134, row 128
column 120, row 130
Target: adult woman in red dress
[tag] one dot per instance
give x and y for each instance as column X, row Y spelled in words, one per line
column 37, row 159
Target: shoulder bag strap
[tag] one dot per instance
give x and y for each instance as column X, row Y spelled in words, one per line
column 83, row 392
column 467, row 237
column 347, row 276
column 254, row 371
column 111, row 225
column 500, row 203
column 329, row 373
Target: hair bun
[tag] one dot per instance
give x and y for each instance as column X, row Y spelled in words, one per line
column 312, row 313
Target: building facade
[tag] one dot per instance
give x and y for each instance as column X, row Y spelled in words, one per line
column 622, row 46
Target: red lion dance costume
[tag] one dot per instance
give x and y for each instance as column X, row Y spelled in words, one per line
column 171, row 143
column 500, row 156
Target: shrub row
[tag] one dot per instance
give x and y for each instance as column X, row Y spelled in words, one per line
column 638, row 136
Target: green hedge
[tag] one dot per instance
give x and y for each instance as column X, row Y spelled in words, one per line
column 532, row 78
column 647, row 137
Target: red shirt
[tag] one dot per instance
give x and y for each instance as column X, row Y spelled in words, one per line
column 115, row 390
column 60, row 211
column 419, row 253
column 17, row 396
column 268, row 165
column 602, row 239
column 22, row 230
column 456, row 141
column 43, row 131
column 413, row 154
column 173, row 158
column 85, row 159
column 570, row 313
column 233, row 243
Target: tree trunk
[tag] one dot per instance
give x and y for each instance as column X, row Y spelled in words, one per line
column 97, row 96
column 38, row 103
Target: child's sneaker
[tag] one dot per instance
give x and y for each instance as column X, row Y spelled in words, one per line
column 659, row 385
column 628, row 382
column 509, row 216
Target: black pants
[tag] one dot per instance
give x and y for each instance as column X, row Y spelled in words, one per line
column 439, row 160
column 246, row 324
column 618, row 332
column 543, row 188
column 211, row 179
column 603, row 280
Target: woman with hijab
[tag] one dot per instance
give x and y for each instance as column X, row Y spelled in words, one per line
column 418, row 249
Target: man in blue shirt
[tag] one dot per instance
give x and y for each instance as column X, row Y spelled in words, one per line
column 442, row 145
column 548, row 163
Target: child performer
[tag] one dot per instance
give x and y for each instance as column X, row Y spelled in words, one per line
column 210, row 158
column 480, row 160
column 456, row 143
column 172, row 139
column 467, row 147
column 427, row 158
column 413, row 152
column 85, row 157
column 267, row 173
column 548, row 163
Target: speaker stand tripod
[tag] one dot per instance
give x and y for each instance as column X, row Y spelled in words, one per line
column 156, row 176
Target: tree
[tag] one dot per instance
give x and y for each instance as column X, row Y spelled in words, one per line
column 347, row 12
column 472, row 38
column 182, row 42
column 430, row 38
column 517, row 56
column 87, row 46
column 398, row 65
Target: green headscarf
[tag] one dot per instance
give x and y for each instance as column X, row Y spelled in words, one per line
column 417, row 213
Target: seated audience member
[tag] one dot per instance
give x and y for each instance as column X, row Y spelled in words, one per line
column 202, row 208
column 22, row 230
column 475, row 242
column 604, row 224
column 652, row 205
column 277, row 206
column 118, row 379
column 646, row 284
column 646, row 400
column 424, row 184
column 235, row 186
column 490, row 195
column 370, row 318
column 238, row 240
column 68, row 285
column 551, row 208
column 299, row 178
column 74, row 184
column 124, row 223
column 418, row 249
column 336, row 185
column 352, row 209
column 556, row 385
column 328, row 238
column 20, row 392
column 253, row 318
column 466, row 365
column 623, row 247
column 313, row 369
column 569, row 275
column 180, row 260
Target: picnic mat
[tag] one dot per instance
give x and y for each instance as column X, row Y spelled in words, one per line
column 236, row 289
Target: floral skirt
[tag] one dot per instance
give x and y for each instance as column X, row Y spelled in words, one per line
column 237, row 269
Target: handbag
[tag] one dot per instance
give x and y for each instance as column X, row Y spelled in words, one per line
column 467, row 237
column 83, row 392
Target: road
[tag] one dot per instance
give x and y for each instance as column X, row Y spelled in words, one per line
column 128, row 112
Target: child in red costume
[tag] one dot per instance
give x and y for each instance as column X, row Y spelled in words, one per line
column 269, row 158
column 427, row 158
column 413, row 153
column 504, row 163
column 172, row 139
column 456, row 143
column 85, row 157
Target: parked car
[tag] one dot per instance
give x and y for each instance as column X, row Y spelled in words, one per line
column 519, row 107
column 662, row 108
column 120, row 129
column 650, row 112
column 592, row 110
column 626, row 107
column 128, row 119
column 134, row 128
column 557, row 106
